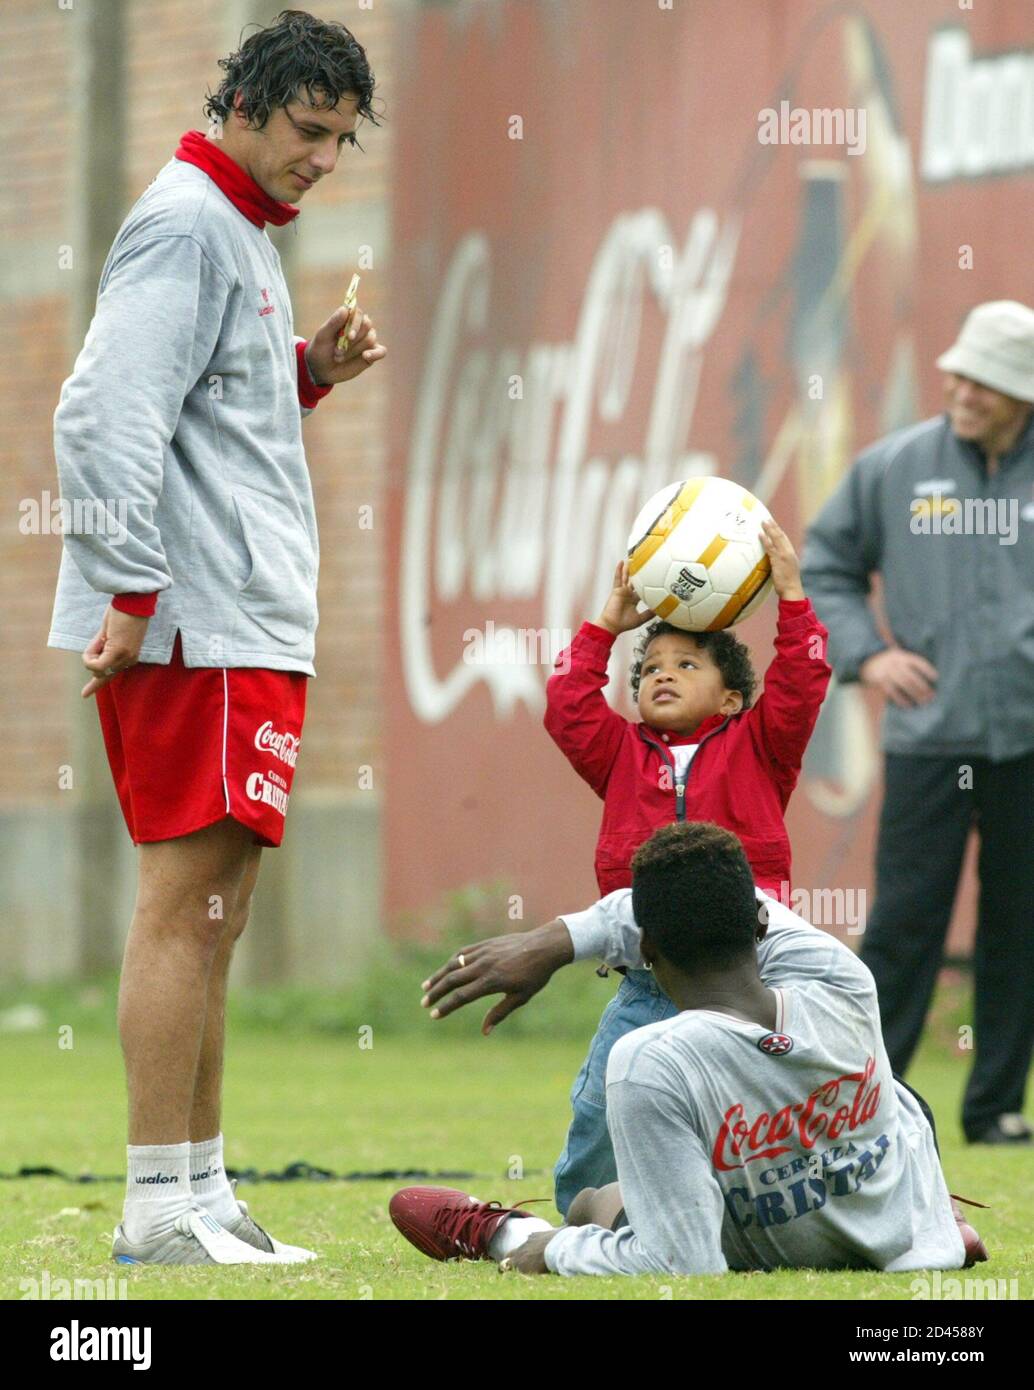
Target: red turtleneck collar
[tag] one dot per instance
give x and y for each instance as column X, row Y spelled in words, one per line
column 241, row 189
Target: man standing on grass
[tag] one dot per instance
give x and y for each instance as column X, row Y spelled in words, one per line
column 197, row 619
column 944, row 512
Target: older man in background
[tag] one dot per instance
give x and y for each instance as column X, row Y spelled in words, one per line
column 944, row 512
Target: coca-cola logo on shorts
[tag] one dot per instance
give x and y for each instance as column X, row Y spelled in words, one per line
column 283, row 746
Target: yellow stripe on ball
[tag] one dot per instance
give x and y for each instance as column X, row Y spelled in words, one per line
column 665, row 524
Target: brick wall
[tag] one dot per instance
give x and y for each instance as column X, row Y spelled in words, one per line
column 34, row 162
column 171, row 53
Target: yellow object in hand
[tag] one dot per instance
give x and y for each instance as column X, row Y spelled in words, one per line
column 350, row 299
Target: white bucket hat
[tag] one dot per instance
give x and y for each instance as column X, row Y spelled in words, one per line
column 996, row 348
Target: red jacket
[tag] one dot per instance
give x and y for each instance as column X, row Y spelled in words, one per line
column 741, row 777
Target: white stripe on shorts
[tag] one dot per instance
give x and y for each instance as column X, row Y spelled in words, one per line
column 226, row 720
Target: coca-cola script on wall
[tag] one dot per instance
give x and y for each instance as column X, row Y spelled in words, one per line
column 631, row 244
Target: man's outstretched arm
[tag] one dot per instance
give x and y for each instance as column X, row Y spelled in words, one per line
column 516, row 966
column 519, row 964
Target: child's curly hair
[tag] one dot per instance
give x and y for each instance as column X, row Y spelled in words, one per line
column 728, row 653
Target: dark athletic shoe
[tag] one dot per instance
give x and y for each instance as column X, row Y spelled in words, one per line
column 1007, row 1129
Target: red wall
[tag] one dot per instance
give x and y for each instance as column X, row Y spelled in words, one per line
column 675, row 296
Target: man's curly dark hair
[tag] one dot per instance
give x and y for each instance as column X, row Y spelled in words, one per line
column 728, row 653
column 693, row 896
column 297, row 55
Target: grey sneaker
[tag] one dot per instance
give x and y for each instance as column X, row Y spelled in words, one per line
column 197, row 1239
column 247, row 1229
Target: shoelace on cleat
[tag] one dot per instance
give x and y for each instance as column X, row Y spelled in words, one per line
column 465, row 1226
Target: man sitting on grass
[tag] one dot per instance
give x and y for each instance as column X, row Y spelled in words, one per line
column 761, row 1127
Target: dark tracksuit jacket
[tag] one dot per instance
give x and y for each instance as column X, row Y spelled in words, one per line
column 964, row 600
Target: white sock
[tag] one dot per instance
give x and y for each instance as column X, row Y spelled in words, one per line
column 208, row 1180
column 512, row 1234
column 157, row 1189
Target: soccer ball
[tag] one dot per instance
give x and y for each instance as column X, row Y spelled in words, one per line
column 695, row 554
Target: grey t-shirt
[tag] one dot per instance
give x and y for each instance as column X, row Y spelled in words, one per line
column 740, row 1147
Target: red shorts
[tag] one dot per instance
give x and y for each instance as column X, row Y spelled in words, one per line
column 188, row 747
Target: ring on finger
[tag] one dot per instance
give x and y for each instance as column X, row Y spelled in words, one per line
column 463, row 963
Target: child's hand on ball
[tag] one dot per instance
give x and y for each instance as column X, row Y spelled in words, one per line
column 786, row 571
column 621, row 611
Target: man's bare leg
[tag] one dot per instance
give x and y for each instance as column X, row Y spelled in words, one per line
column 172, row 946
column 208, row 1181
column 206, row 1104
column 210, row 1186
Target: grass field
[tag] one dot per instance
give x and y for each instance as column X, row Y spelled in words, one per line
column 424, row 1098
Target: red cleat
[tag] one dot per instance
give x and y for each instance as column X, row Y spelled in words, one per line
column 447, row 1224
column 976, row 1250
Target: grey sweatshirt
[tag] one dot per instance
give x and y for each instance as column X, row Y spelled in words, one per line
column 963, row 599
column 180, row 429
column 730, row 1156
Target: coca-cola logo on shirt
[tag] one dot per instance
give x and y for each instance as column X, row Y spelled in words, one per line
column 840, row 1105
column 283, row 746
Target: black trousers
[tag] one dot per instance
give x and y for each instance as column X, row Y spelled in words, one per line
column 924, row 823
